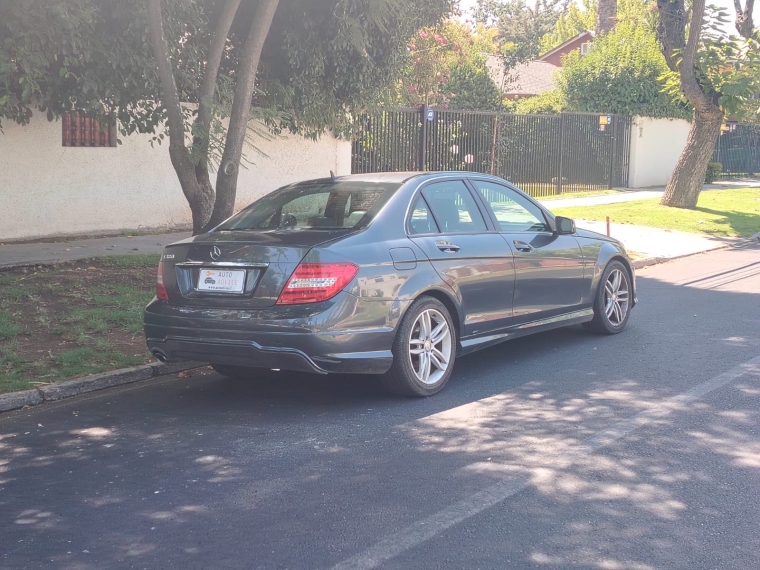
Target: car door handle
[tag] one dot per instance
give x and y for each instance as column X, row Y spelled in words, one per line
column 447, row 246
column 522, row 246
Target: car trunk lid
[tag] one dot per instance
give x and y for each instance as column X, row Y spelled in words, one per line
column 253, row 266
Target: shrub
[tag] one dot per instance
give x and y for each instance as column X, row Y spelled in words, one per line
column 548, row 103
column 470, row 87
column 621, row 74
column 713, row 171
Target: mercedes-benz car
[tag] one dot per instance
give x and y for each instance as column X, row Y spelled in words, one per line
column 395, row 274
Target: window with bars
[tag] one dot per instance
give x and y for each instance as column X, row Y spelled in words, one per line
column 78, row 129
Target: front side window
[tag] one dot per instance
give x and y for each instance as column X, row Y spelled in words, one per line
column 336, row 204
column 513, row 212
column 453, row 207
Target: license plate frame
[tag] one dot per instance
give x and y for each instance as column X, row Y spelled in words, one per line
column 221, row 280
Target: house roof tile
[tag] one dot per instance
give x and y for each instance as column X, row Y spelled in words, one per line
column 530, row 78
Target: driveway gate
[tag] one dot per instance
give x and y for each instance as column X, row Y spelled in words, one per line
column 543, row 154
column 738, row 150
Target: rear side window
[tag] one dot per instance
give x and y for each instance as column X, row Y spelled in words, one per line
column 422, row 221
column 453, row 207
column 316, row 205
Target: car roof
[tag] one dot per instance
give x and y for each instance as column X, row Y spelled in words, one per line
column 401, row 177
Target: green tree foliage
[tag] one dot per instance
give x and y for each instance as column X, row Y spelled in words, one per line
column 580, row 17
column 575, row 20
column 435, row 52
column 470, row 87
column 321, row 60
column 728, row 70
column 547, row 103
column 86, row 55
column 95, row 55
column 338, row 55
column 621, row 74
column 521, row 25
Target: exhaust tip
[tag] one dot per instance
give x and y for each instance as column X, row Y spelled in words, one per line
column 160, row 356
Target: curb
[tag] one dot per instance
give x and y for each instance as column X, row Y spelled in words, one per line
column 71, row 388
column 45, row 263
column 52, row 261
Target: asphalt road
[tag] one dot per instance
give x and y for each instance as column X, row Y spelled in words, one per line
column 563, row 450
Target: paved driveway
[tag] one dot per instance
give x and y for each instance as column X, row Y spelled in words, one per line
column 564, row 450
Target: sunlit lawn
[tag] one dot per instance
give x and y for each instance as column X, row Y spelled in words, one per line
column 718, row 213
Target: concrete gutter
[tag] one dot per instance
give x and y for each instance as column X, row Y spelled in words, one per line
column 86, row 384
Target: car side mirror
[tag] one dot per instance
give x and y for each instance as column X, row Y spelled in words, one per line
column 565, row 226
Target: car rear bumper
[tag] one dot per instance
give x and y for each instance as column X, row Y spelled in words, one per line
column 344, row 335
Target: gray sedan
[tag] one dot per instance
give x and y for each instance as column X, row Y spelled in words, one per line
column 394, row 274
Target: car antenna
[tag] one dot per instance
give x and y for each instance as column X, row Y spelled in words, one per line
column 332, row 176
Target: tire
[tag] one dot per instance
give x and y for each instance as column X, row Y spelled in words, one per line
column 424, row 350
column 238, row 372
column 612, row 302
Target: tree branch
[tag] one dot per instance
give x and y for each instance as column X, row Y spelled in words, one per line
column 199, row 198
column 695, row 30
column 671, row 30
column 744, row 24
column 169, row 92
column 680, row 52
column 689, row 83
column 245, row 82
column 208, row 86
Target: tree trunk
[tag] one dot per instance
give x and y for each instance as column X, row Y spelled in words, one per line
column 688, row 177
column 744, row 24
column 606, row 16
column 226, row 178
column 203, row 119
column 200, row 197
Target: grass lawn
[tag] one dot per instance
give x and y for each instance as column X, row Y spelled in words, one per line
column 62, row 321
column 718, row 213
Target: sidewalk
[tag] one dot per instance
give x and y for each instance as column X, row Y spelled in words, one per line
column 32, row 253
column 648, row 245
column 644, row 241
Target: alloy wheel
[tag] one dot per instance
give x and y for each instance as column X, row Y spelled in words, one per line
column 616, row 297
column 430, row 346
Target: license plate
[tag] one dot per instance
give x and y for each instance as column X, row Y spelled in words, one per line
column 221, row 280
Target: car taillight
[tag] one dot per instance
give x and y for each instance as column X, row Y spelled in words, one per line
column 315, row 282
column 160, row 287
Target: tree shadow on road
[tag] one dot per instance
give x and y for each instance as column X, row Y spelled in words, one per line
column 301, row 471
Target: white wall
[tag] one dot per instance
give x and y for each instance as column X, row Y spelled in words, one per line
column 656, row 145
column 47, row 189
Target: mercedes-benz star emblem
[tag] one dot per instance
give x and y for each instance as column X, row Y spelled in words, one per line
column 215, row 253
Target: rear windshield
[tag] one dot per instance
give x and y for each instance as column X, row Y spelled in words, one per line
column 315, row 205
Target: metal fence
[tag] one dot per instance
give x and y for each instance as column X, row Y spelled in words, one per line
column 738, row 150
column 543, row 154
